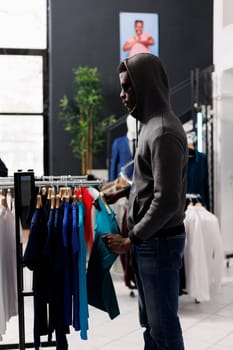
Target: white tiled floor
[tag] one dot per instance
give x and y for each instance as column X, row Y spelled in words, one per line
column 206, row 326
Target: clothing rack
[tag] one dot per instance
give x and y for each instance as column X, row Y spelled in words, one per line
column 24, row 188
column 193, row 196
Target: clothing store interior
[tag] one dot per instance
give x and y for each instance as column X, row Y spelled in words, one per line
column 67, row 140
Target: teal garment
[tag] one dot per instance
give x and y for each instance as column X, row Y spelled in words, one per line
column 100, row 288
column 105, row 222
column 83, row 303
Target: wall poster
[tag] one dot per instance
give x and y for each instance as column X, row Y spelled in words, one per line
column 139, row 32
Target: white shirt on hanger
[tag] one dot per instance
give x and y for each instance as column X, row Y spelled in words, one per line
column 195, row 261
column 8, row 273
column 203, row 254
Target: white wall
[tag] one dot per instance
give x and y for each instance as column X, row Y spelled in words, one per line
column 223, row 118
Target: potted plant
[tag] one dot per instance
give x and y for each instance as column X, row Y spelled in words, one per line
column 82, row 117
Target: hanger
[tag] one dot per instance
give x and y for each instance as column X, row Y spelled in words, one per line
column 58, row 200
column 194, row 199
column 123, row 174
column 52, row 204
column 43, row 191
column 38, row 201
column 65, row 192
column 51, row 192
column 75, row 199
column 105, row 203
column 198, row 201
column 9, row 198
column 4, row 202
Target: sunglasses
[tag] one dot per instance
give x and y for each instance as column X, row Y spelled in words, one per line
column 126, row 87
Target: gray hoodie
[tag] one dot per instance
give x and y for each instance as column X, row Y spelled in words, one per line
column 157, row 196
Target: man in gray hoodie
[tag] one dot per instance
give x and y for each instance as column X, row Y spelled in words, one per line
column 156, row 201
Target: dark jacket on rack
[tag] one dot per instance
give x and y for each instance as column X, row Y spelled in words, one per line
column 55, row 254
column 197, row 177
column 44, row 255
column 36, row 261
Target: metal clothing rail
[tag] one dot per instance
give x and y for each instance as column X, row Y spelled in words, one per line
column 193, row 196
column 6, row 182
column 24, row 188
column 54, row 181
column 9, row 180
column 74, row 182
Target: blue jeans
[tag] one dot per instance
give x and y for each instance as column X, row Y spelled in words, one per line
column 156, row 264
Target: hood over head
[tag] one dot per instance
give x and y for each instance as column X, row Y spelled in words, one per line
column 150, row 84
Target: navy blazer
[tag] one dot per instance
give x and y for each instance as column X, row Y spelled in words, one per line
column 121, row 155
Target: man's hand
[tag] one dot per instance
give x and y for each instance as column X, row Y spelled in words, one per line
column 116, row 243
column 112, row 197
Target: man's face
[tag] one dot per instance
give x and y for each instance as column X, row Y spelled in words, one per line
column 139, row 28
column 127, row 94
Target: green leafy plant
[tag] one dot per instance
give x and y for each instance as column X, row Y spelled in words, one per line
column 82, row 117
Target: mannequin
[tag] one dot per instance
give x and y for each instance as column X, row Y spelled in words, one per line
column 131, row 133
column 123, row 150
